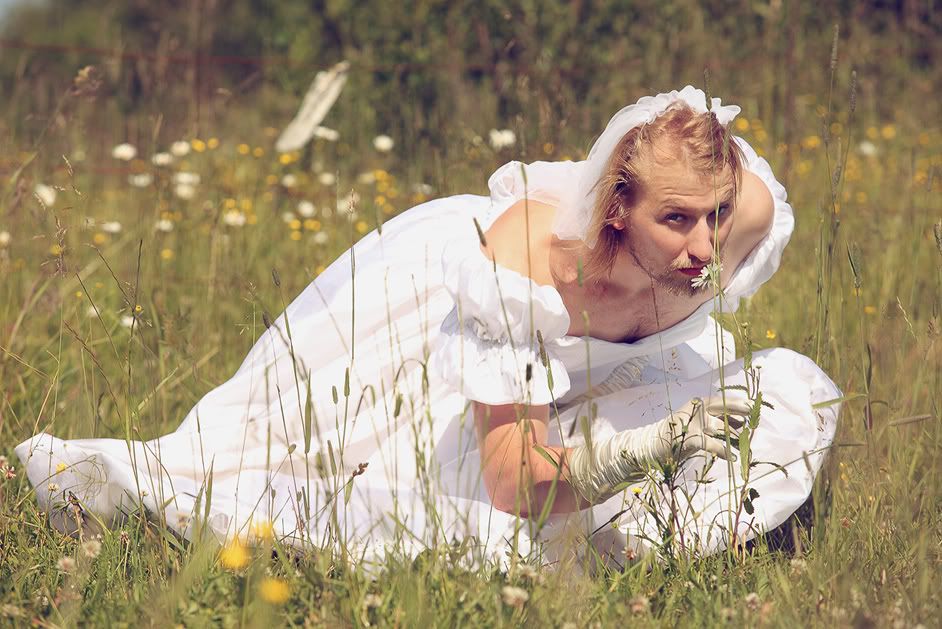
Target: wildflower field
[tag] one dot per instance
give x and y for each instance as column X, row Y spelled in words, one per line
column 144, row 206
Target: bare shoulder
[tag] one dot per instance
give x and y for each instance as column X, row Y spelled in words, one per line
column 754, row 213
column 507, row 239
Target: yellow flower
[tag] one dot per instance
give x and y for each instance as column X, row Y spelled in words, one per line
column 362, row 227
column 234, row 555
column 99, row 238
column 246, row 204
column 258, row 151
column 138, row 308
column 312, row 224
column 319, row 269
column 61, row 467
column 548, row 148
column 861, row 197
column 770, row 334
column 55, row 250
column 274, row 591
column 166, row 254
column 285, row 159
column 263, row 530
column 873, row 133
column 198, row 145
column 251, row 219
column 295, row 224
column 742, row 124
column 229, row 204
column 243, row 149
column 888, row 132
column 761, row 135
column 379, row 200
column 295, row 236
column 636, row 490
column 212, row 143
column 870, row 310
column 78, row 294
column 811, row 142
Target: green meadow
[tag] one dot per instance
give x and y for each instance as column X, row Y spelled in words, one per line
column 144, row 207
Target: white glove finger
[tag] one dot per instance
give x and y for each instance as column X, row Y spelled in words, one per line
column 734, row 409
column 715, row 427
column 718, row 448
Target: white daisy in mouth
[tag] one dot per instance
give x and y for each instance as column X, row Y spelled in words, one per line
column 709, row 274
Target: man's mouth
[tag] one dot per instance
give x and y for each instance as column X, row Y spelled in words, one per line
column 692, row 271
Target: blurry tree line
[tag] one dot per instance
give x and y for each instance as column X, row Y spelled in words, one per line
column 422, row 66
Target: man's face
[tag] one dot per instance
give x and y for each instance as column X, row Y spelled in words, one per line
column 675, row 216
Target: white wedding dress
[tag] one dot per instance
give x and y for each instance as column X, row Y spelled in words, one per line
column 436, row 325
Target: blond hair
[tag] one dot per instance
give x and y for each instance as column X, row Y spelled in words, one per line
column 697, row 137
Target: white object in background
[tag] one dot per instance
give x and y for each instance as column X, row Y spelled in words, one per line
column 320, row 97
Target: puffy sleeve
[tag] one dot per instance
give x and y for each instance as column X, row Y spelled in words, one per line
column 764, row 260
column 488, row 347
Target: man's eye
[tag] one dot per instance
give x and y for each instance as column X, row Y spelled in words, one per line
column 675, row 218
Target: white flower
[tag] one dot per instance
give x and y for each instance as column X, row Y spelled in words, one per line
column 289, row 181
column 423, row 188
column 66, row 564
column 326, row 134
column 327, row 179
column 501, row 138
column 127, row 321
column 91, row 311
column 180, row 148
column 367, row 178
column 514, row 596
column 162, row 159
column 186, row 178
column 5, row 238
column 125, row 152
column 111, row 227
column 306, row 209
column 46, row 194
column 185, row 191
column 164, row 225
column 709, row 274
column 383, row 143
column 141, row 180
column 867, row 149
column 288, row 216
column 233, row 218
column 91, row 548
column 321, row 238
column 52, row 487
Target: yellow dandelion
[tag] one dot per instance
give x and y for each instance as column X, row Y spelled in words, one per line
column 284, row 159
column 319, row 269
column 362, row 227
column 382, row 185
column 243, row 149
column 166, row 254
column 55, row 250
column 379, row 200
column 836, row 128
column 770, row 334
column 138, row 309
column 295, row 236
column 548, row 148
column 804, row 167
column 99, row 238
column 212, row 143
column 271, row 180
column 312, row 224
column 258, row 151
column 229, row 204
column 61, row 467
column 198, row 145
column 380, row 174
column 263, row 530
column 274, row 591
column 79, row 294
column 636, row 490
column 873, row 133
column 741, row 124
column 295, row 224
column 888, row 132
column 811, row 142
column 251, row 219
column 761, row 135
column 860, row 197
column 234, row 555
column 870, row 310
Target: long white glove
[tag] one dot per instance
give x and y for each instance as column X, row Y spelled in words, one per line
column 626, row 456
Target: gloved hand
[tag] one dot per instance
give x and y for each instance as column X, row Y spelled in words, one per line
column 626, row 456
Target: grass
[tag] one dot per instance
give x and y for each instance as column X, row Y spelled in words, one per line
column 859, row 290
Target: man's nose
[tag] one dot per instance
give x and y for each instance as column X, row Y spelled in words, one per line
column 700, row 242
